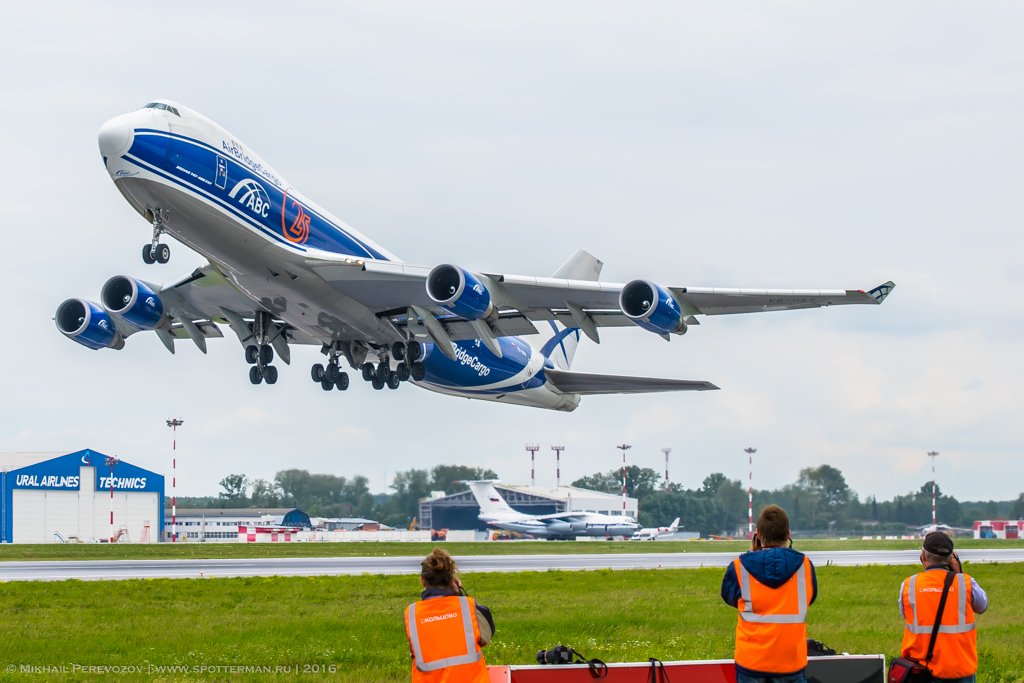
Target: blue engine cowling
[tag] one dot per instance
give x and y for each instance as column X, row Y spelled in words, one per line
column 88, row 324
column 651, row 307
column 460, row 292
column 133, row 301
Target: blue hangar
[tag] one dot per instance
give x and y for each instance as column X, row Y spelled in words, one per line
column 58, row 498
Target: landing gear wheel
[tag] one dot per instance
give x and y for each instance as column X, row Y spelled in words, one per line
column 147, row 254
column 393, row 381
column 330, row 373
column 326, row 385
column 251, row 354
column 402, row 371
column 255, row 376
column 418, row 372
column 163, row 253
column 398, row 351
column 270, row 374
column 383, row 371
column 367, row 371
column 317, row 372
column 342, row 382
column 413, row 351
column 377, row 382
column 266, row 354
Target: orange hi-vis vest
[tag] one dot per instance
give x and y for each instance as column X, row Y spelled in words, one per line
column 956, row 646
column 771, row 630
column 444, row 639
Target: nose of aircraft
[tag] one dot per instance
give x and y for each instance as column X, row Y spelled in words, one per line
column 115, row 136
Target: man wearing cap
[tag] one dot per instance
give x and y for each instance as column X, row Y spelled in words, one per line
column 955, row 658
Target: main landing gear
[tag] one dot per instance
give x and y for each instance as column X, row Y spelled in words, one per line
column 409, row 366
column 261, row 355
column 155, row 252
column 330, row 375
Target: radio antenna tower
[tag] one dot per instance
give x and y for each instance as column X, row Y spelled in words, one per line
column 533, row 448
column 558, row 464
column 623, row 447
column 932, row 455
column 750, row 491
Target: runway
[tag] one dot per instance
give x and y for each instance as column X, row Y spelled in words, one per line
column 309, row 566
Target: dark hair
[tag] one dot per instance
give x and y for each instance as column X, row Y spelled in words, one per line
column 438, row 569
column 773, row 526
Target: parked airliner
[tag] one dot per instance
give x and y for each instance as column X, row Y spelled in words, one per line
column 496, row 512
column 281, row 271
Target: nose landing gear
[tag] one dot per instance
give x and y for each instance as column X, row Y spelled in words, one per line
column 155, row 252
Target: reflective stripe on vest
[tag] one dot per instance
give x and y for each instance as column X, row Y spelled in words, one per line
column 748, row 614
column 472, row 655
column 917, row 628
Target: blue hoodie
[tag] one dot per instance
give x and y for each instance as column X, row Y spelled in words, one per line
column 772, row 567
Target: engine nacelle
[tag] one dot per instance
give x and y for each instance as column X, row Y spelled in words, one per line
column 88, row 324
column 460, row 292
column 133, row 301
column 651, row 307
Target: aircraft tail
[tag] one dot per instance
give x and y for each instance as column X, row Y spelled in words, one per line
column 561, row 345
column 488, row 498
column 673, row 526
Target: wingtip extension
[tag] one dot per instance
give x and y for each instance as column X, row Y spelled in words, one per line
column 880, row 292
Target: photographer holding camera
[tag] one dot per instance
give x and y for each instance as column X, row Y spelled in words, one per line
column 771, row 587
column 446, row 628
column 955, row 652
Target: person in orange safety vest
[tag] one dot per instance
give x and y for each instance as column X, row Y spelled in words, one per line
column 446, row 628
column 955, row 657
column 771, row 587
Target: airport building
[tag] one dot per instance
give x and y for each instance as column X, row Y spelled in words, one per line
column 83, row 497
column 460, row 510
column 221, row 525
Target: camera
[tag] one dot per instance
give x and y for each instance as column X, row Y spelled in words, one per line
column 559, row 654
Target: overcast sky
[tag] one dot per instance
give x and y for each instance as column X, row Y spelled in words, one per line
column 803, row 145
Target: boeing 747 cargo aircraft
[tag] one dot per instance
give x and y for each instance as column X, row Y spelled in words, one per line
column 282, row 271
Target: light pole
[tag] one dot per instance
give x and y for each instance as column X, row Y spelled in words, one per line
column 558, row 464
column 932, row 455
column 750, row 490
column 533, row 448
column 666, row 451
column 111, row 461
column 174, row 423
column 623, row 447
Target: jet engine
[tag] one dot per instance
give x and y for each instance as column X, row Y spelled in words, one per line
column 88, row 324
column 133, row 301
column 651, row 307
column 460, row 292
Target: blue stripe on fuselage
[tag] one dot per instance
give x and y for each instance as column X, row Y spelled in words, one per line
column 257, row 200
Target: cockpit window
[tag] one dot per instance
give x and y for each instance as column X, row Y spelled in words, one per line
column 161, row 105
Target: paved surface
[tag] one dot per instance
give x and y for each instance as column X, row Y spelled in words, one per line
column 332, row 566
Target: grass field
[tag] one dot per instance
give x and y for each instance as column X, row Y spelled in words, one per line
column 157, row 551
column 354, row 623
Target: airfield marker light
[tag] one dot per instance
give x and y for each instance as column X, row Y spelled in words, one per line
column 932, row 455
column 623, row 447
column 750, row 491
column 533, row 448
column 174, row 424
column 111, row 461
column 558, row 464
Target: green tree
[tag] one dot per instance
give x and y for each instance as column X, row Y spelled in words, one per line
column 265, row 494
column 449, row 478
column 1017, row 511
column 640, row 481
column 234, row 486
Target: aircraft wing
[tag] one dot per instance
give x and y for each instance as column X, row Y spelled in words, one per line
column 398, row 290
column 201, row 301
column 585, row 383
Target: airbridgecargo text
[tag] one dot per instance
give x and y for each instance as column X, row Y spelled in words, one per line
column 472, row 361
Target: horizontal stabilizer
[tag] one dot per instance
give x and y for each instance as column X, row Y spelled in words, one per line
column 587, row 383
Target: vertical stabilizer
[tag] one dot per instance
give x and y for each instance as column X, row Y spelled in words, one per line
column 561, row 345
column 490, row 501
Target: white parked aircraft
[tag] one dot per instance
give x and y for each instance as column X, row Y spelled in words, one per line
column 284, row 271
column 651, row 533
column 494, row 511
